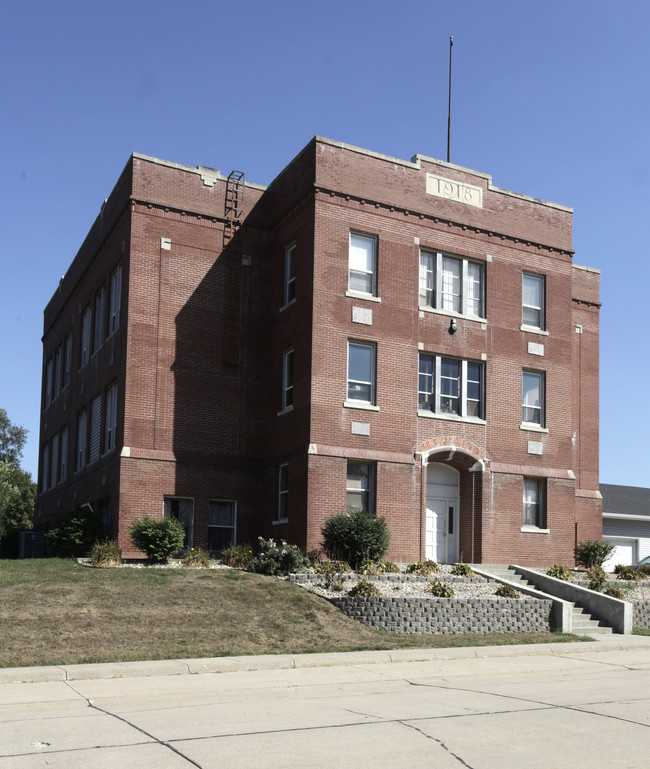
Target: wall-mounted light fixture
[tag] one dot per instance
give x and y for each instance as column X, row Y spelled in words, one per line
column 453, row 326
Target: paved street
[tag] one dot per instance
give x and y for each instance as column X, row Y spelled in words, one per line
column 575, row 705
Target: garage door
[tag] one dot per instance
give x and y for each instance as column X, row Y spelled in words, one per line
column 624, row 552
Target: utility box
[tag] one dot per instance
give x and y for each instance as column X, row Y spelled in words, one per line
column 30, row 544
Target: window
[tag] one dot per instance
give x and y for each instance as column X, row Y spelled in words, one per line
column 533, row 398
column 110, row 422
column 361, row 372
column 363, row 264
column 360, row 489
column 49, row 374
column 98, row 336
column 45, row 467
column 181, row 510
column 58, row 370
column 85, row 337
column 450, row 386
column 94, row 442
column 54, row 461
column 63, row 466
column 532, row 309
column 452, row 284
column 283, row 492
column 534, row 503
column 287, row 379
column 115, row 300
column 289, row 274
column 67, row 360
column 82, row 439
column 221, row 525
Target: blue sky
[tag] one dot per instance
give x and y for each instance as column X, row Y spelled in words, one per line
column 550, row 98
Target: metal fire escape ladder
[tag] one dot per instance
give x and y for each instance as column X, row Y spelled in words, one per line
column 233, row 204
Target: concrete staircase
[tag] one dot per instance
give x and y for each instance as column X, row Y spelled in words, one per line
column 582, row 622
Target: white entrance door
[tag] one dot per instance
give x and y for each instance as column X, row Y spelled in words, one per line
column 441, row 535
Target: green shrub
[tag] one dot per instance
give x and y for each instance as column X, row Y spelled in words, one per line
column 355, row 537
column 592, row 552
column 423, row 568
column 334, row 582
column 644, row 571
column 627, row 572
column 506, row 591
column 74, row 534
column 314, row 556
column 377, row 568
column 614, row 592
column 332, row 567
column 237, row 556
column 389, row 567
column 462, row 570
column 597, row 578
column 277, row 560
column 559, row 572
column 158, row 538
column 196, row 558
column 105, row 554
column 440, row 589
column 365, row 589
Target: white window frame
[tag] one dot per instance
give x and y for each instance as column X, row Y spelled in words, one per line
column 355, row 270
column 110, row 420
column 115, row 300
column 95, row 429
column 233, row 528
column 58, row 370
column 63, row 462
column 82, row 439
column 287, row 380
column 539, row 309
column 98, row 327
column 283, row 493
column 353, row 384
column 534, row 503
column 188, row 524
column 289, row 286
column 366, row 493
column 67, row 360
column 54, row 460
column 49, row 382
column 430, row 387
column 86, row 320
column 461, row 292
column 45, row 466
column 527, row 407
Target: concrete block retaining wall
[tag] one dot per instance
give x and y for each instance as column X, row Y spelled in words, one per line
column 641, row 614
column 449, row 615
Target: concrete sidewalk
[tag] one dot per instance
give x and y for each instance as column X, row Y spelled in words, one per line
column 180, row 667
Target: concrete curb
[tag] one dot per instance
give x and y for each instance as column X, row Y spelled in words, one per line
column 284, row 662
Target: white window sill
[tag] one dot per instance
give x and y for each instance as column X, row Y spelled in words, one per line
column 533, row 428
column 288, row 304
column 452, row 314
column 533, row 330
column 282, row 412
column 534, row 530
column 361, row 295
column 360, row 405
column 451, row 417
column 279, row 521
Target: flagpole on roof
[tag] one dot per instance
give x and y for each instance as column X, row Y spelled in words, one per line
column 451, row 44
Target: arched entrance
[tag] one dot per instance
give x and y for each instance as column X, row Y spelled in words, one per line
column 442, row 504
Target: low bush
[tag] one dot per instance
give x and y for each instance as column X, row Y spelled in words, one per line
column 377, row 568
column 592, row 552
column 196, row 558
column 158, row 538
column 355, row 537
column 277, row 560
column 74, row 534
column 106, row 554
column 365, row 589
column 334, row 582
column 559, row 572
column 644, row 571
column 627, row 572
column 423, row 568
column 332, row 567
column 462, row 570
column 506, row 591
column 597, row 578
column 237, row 556
column 614, row 592
column 440, row 590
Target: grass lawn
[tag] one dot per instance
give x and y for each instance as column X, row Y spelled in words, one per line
column 57, row 612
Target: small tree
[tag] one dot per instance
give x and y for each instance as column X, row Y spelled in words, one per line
column 158, row 538
column 592, row 552
column 355, row 537
column 74, row 534
column 17, row 491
